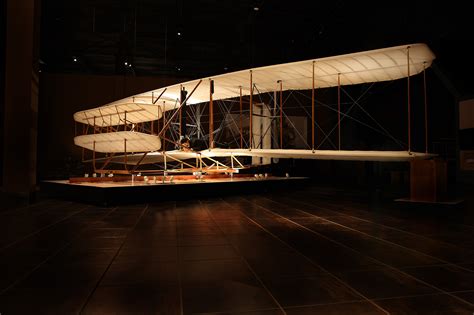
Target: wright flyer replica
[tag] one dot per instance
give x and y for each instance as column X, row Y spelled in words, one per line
column 178, row 130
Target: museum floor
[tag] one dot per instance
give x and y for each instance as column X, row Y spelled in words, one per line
column 311, row 251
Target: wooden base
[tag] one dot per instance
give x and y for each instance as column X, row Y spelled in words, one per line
column 428, row 180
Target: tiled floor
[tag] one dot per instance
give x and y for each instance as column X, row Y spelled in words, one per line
column 306, row 252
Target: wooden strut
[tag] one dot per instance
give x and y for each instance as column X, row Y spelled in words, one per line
column 312, row 111
column 175, row 113
column 107, row 161
column 281, row 113
column 179, row 110
column 93, row 155
column 125, row 122
column 409, row 103
column 251, row 112
column 125, row 153
column 339, row 110
column 139, row 162
column 240, row 125
column 164, row 124
column 211, row 116
column 156, row 100
column 426, row 107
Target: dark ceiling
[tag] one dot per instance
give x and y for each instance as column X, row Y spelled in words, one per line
column 197, row 38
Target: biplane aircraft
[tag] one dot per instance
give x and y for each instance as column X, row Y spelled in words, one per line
column 162, row 131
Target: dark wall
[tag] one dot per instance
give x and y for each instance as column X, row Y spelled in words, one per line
column 62, row 95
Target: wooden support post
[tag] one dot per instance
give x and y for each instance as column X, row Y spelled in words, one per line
column 312, row 111
column 125, row 150
column 94, row 124
column 160, row 111
column 426, row 107
column 240, row 125
column 93, row 155
column 339, row 110
column 164, row 130
column 408, row 96
column 125, row 122
column 211, row 115
column 281, row 113
column 166, row 165
column 180, row 113
column 251, row 112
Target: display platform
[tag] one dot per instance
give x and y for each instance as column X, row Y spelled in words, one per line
column 437, row 205
column 106, row 192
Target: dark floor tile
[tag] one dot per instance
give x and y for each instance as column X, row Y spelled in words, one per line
column 230, row 228
column 142, row 273
column 101, row 243
column 105, row 232
column 275, row 311
column 339, row 259
column 225, row 215
column 211, row 273
column 226, row 297
column 207, row 252
column 195, row 229
column 72, row 256
column 446, row 277
column 149, row 241
column 157, row 218
column 460, row 239
column 57, row 276
column 284, row 264
column 185, row 215
column 134, row 300
column 441, row 250
column 466, row 296
column 395, row 256
column 14, row 271
column 365, row 308
column 427, row 304
column 384, row 283
column 202, row 240
column 140, row 255
column 64, row 300
column 320, row 289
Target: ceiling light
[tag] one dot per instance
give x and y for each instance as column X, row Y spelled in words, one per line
column 256, row 8
column 74, row 59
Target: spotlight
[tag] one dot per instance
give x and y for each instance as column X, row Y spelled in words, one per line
column 256, row 8
column 179, row 33
column 74, row 59
column 126, row 63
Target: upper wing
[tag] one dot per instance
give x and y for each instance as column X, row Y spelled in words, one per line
column 370, row 66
